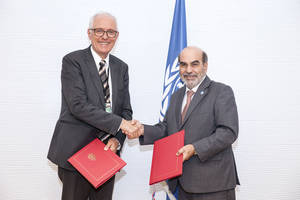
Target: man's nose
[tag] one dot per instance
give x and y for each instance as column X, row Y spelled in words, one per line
column 104, row 36
column 189, row 69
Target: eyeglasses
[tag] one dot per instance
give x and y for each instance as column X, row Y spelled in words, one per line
column 99, row 32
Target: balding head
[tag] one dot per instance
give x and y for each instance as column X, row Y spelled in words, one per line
column 192, row 66
column 194, row 50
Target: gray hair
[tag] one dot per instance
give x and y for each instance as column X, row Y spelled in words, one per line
column 101, row 13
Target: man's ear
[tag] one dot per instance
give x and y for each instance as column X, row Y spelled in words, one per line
column 89, row 33
column 205, row 66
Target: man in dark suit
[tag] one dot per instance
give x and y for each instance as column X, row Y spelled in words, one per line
column 95, row 103
column 207, row 111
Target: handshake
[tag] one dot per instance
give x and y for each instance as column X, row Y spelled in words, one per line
column 133, row 129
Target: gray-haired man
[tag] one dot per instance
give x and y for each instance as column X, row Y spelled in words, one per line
column 95, row 103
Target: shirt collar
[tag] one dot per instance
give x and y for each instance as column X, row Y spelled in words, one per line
column 194, row 89
column 97, row 58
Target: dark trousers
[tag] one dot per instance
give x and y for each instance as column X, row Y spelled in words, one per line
column 222, row 195
column 76, row 187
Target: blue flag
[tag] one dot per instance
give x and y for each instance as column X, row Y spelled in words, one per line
column 177, row 42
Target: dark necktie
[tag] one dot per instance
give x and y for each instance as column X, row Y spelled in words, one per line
column 190, row 93
column 104, row 80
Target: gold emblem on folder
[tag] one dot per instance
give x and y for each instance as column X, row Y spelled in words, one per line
column 91, row 156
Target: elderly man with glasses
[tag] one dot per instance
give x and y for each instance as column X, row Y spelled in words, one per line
column 95, row 104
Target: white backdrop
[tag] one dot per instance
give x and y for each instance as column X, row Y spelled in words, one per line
column 253, row 45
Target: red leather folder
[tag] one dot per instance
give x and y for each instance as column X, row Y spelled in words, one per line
column 96, row 164
column 165, row 163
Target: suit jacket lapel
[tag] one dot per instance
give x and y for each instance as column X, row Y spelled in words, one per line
column 113, row 68
column 178, row 106
column 92, row 68
column 199, row 95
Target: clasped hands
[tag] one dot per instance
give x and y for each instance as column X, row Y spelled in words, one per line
column 133, row 129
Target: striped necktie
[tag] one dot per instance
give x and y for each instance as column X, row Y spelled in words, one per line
column 104, row 80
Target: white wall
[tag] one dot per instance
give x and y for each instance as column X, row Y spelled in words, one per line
column 254, row 46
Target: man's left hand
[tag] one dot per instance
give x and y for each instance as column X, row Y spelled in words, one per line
column 112, row 144
column 187, row 151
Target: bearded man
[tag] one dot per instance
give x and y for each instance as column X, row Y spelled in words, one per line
column 207, row 111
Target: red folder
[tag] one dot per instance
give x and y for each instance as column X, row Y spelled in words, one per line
column 96, row 164
column 165, row 163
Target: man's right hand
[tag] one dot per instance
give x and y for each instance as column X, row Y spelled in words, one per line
column 133, row 129
column 140, row 129
column 127, row 127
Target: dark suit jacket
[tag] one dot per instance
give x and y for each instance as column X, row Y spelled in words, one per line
column 83, row 117
column 211, row 125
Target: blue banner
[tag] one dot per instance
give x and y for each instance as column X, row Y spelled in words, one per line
column 177, row 42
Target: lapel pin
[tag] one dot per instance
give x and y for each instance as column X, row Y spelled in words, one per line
column 202, row 92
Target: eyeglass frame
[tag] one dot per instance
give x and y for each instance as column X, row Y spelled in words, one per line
column 104, row 32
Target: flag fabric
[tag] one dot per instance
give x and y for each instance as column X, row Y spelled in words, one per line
column 177, row 42
column 172, row 82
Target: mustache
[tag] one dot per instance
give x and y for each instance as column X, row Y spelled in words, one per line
column 189, row 75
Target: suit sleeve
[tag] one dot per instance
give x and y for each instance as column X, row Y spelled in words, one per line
column 126, row 108
column 74, row 92
column 155, row 132
column 226, row 132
